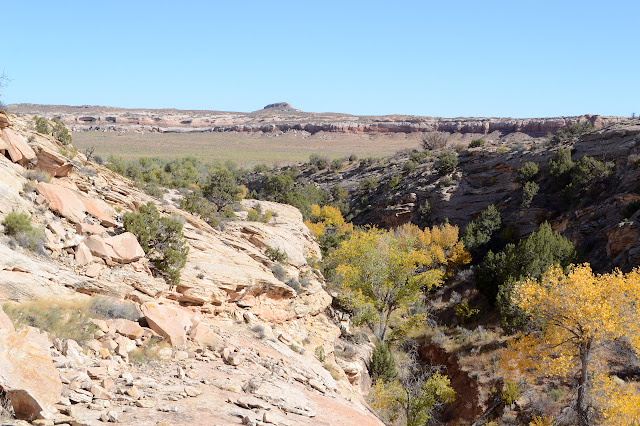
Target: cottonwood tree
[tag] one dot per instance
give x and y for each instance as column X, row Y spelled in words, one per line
column 384, row 272
column 577, row 313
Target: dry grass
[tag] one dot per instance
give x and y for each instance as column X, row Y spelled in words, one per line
column 245, row 149
column 62, row 319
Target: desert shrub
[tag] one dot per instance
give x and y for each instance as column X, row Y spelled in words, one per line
column 148, row 352
column 221, row 189
column 294, row 284
column 320, row 161
column 253, row 216
column 16, row 222
column 586, row 172
column 394, row 182
column 368, row 184
column 465, row 313
column 275, row 254
column 410, row 166
column 570, row 132
column 336, row 165
column 320, row 354
column 352, row 158
column 62, row 319
column 260, row 168
column 37, row 175
column 510, row 392
column 478, row 232
column 383, row 364
column 477, row 143
column 18, row 226
column 447, row 162
column 279, row 272
column 60, row 132
column 529, row 190
column 161, row 239
column 435, row 140
column 527, row 172
column 110, row 308
column 194, row 202
column 42, row 125
column 338, row 193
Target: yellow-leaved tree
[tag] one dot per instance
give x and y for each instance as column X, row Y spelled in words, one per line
column 576, row 314
column 383, row 272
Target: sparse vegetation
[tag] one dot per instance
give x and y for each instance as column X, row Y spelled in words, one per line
column 435, row 140
column 447, row 162
column 161, row 239
column 62, row 319
column 476, row 143
column 18, row 226
column 570, row 133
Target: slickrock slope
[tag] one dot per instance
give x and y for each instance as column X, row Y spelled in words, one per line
column 285, row 118
column 240, row 343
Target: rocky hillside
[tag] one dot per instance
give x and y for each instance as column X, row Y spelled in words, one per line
column 231, row 344
column 281, row 117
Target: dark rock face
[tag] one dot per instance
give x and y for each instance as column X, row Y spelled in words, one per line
column 279, row 106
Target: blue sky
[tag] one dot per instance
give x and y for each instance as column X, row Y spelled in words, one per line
column 444, row 58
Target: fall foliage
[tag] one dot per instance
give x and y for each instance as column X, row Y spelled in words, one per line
column 577, row 313
column 383, row 272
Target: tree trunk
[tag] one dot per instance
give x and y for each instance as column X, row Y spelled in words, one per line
column 583, row 383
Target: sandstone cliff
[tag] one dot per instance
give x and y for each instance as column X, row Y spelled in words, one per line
column 283, row 119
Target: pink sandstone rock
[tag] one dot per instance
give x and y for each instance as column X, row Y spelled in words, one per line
column 126, row 247
column 62, row 200
column 28, row 375
column 86, row 228
column 171, row 322
column 5, row 322
column 100, row 248
column 100, row 210
column 204, row 336
column 127, row 328
column 83, row 255
column 19, row 151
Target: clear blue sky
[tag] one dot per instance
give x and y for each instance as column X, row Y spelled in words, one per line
column 435, row 58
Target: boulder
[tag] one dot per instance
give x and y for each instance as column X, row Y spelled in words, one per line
column 28, row 375
column 19, row 151
column 100, row 210
column 62, row 200
column 86, row 228
column 126, row 247
column 83, row 255
column 127, row 328
column 204, row 336
column 171, row 322
column 100, row 248
column 53, row 163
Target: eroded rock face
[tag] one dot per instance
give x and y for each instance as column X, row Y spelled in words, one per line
column 27, row 374
column 17, row 148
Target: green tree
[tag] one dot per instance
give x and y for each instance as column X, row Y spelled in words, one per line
column 383, row 364
column 60, row 132
column 498, row 272
column 478, row 232
column 527, row 172
column 42, row 125
column 529, row 190
column 221, row 189
column 161, row 239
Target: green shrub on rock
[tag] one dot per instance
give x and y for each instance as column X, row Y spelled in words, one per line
column 161, row 239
